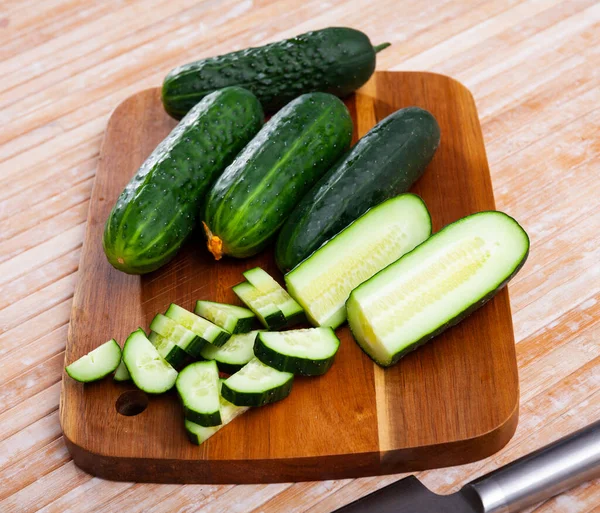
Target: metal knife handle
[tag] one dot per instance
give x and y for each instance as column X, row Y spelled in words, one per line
column 566, row 463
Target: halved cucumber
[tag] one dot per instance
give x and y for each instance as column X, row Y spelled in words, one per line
column 149, row 371
column 206, row 330
column 257, row 384
column 171, row 352
column 323, row 282
column 234, row 354
column 198, row 434
column 122, row 374
column 198, row 388
column 179, row 335
column 309, row 352
column 97, row 363
column 234, row 319
column 276, row 294
column 270, row 316
column 435, row 286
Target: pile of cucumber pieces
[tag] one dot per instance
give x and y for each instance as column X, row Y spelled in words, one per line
column 190, row 351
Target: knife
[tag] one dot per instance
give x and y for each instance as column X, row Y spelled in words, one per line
column 551, row 470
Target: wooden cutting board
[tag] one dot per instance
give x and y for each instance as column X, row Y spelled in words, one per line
column 453, row 401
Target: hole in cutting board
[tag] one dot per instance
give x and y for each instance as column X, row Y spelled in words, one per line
column 131, row 403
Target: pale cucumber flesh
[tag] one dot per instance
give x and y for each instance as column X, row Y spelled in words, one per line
column 198, row 387
column 238, row 350
column 203, row 328
column 272, row 292
column 232, row 318
column 97, row 363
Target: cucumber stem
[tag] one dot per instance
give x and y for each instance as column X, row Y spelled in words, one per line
column 380, row 47
column 214, row 243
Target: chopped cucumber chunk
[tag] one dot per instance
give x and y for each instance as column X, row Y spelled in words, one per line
column 179, row 335
column 171, row 352
column 234, row 354
column 97, row 363
column 122, row 374
column 198, row 387
column 234, row 319
column 268, row 313
column 204, row 329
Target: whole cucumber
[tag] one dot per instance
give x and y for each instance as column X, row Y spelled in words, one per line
column 384, row 163
column 254, row 195
column 335, row 60
column 159, row 207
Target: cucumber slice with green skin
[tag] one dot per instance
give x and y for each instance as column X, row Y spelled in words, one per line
column 234, row 319
column 436, row 285
column 276, row 294
column 97, row 363
column 198, row 434
column 236, row 352
column 309, row 352
column 171, row 352
column 257, row 384
column 270, row 316
column 122, row 374
column 198, row 388
column 207, row 331
column 149, row 371
column 181, row 336
column 323, row 282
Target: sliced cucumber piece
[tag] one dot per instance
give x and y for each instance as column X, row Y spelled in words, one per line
column 323, row 282
column 234, row 354
column 257, row 384
column 435, row 286
column 269, row 314
column 149, row 371
column 97, row 363
column 309, row 352
column 198, row 434
column 276, row 294
column 198, row 388
column 171, row 352
column 179, row 335
column 122, row 374
column 234, row 319
column 204, row 329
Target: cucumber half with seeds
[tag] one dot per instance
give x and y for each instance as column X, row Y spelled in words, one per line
column 122, row 374
column 323, row 282
column 169, row 350
column 234, row 354
column 149, row 371
column 309, row 352
column 234, row 319
column 97, row 363
column 206, row 330
column 198, row 388
column 437, row 285
column 257, row 384
column 178, row 334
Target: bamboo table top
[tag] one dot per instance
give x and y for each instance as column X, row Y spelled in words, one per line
column 532, row 67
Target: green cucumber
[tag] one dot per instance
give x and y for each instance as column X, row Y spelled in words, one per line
column 309, row 352
column 169, row 350
column 436, row 285
column 383, row 164
column 336, row 60
column 122, row 374
column 97, row 363
column 159, row 207
column 234, row 354
column 149, row 371
column 198, row 388
column 206, row 330
column 257, row 384
column 255, row 194
column 199, row 434
column 268, row 313
column 234, row 319
column 323, row 282
column 178, row 334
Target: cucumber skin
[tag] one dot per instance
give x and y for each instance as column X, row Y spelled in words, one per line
column 384, row 163
column 452, row 322
column 178, row 358
column 295, row 365
column 229, row 368
column 257, row 398
column 162, row 199
column 246, row 206
column 336, row 60
column 202, row 419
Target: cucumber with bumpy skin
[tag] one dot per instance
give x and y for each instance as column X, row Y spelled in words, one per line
column 309, row 352
column 234, row 354
column 198, row 388
column 178, row 334
column 207, row 331
column 97, row 363
column 436, row 285
column 232, row 318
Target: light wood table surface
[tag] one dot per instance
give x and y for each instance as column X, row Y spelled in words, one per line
column 533, row 67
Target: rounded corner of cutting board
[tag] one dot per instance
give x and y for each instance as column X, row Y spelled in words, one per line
column 452, row 402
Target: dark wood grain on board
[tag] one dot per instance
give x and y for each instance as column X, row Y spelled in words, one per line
column 453, row 401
